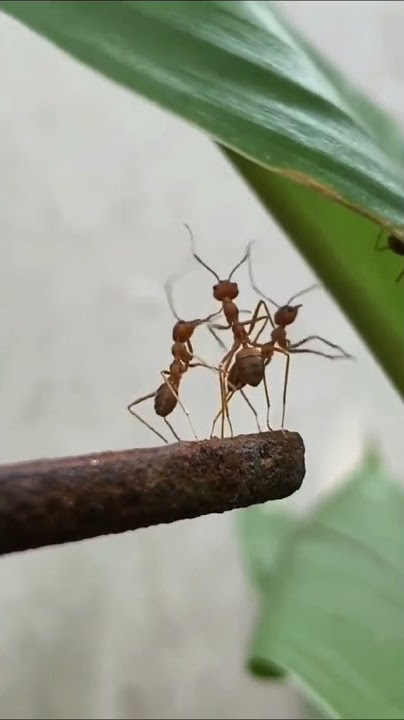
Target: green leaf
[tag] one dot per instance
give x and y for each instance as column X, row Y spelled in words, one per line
column 322, row 158
column 263, row 533
column 339, row 245
column 335, row 606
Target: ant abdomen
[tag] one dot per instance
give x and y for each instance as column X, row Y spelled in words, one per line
column 164, row 401
column 286, row 315
column 250, row 366
column 233, row 378
column 225, row 290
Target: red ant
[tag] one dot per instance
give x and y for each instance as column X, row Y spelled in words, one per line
column 166, row 396
column 254, row 358
column 285, row 315
column 248, row 359
column 395, row 245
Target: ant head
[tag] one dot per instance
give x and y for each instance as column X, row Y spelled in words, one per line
column 286, row 315
column 225, row 289
column 182, row 331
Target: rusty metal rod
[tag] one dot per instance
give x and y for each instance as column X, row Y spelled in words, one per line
column 53, row 501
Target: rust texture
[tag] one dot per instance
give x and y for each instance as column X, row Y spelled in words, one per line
column 53, row 501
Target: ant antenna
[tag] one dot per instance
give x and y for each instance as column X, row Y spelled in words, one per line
column 168, row 288
column 200, row 261
column 303, row 292
column 243, row 259
column 252, row 281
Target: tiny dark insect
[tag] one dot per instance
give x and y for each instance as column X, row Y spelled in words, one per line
column 395, row 245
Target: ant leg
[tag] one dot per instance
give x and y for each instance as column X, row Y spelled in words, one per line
column 172, row 429
column 221, row 327
column 166, row 380
column 223, row 371
column 138, row 417
column 224, row 404
column 202, row 364
column 226, row 407
column 255, row 319
column 267, row 399
column 318, row 337
column 216, row 418
column 217, row 338
column 261, row 330
column 250, row 405
column 285, row 387
column 377, row 246
column 243, row 322
column 252, row 408
column 401, row 274
column 224, row 364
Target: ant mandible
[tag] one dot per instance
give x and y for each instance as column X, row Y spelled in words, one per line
column 166, row 397
column 395, row 245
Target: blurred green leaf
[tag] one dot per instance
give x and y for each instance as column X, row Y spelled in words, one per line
column 263, row 533
column 323, row 159
column 333, row 617
column 339, row 245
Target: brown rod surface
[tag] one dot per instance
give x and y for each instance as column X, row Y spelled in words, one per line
column 53, row 501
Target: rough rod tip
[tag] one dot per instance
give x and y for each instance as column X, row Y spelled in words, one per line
column 54, row 501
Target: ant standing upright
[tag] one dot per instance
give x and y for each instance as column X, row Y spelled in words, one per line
column 166, row 396
column 284, row 316
column 250, row 368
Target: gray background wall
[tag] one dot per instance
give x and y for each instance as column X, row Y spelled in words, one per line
column 95, row 185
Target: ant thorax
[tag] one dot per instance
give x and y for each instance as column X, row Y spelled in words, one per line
column 240, row 333
column 230, row 311
column 180, row 352
column 278, row 335
column 177, row 368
